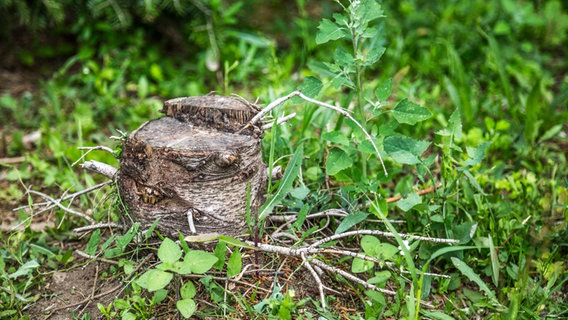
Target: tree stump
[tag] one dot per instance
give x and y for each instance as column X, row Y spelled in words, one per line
column 194, row 168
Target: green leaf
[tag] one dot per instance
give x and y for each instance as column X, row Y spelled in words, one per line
column 337, row 137
column 455, row 125
column 376, row 249
column 366, row 10
column 221, row 254
column 187, row 291
column 436, row 315
column 143, row 87
column 301, row 216
column 471, row 275
column 533, row 118
column 200, row 261
column 234, row 242
column 350, row 220
column 235, row 265
column 154, row 279
column 343, row 58
column 337, row 160
column 186, row 307
column 380, row 277
column 494, row 262
column 311, row 86
column 169, row 251
column 285, row 186
column 93, row 242
column 409, row 202
column 360, row 265
column 405, row 150
column 328, row 31
column 476, row 155
column 24, row 269
column 410, row 113
column 384, row 90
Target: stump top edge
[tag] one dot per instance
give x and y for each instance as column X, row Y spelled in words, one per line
column 211, row 101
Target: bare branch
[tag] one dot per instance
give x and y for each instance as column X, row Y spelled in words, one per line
column 58, row 204
column 382, row 234
column 99, row 167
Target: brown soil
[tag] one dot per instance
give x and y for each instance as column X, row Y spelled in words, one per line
column 70, row 288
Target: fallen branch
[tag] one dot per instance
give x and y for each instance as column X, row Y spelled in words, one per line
column 339, row 110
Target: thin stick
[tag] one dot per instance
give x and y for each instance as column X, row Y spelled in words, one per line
column 317, row 279
column 341, row 111
column 380, row 233
column 88, row 256
column 97, row 226
column 107, row 149
column 12, row 160
column 419, row 192
column 102, row 168
column 279, row 121
column 58, row 204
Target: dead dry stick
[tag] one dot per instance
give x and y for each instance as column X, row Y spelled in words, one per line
column 317, row 279
column 279, row 121
column 339, row 110
column 420, row 193
column 382, row 234
column 102, row 168
column 62, row 207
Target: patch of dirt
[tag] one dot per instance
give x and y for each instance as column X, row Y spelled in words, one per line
column 70, row 288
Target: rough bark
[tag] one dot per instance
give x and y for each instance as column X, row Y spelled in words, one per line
column 194, row 162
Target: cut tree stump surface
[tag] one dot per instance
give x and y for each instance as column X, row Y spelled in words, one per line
column 194, row 166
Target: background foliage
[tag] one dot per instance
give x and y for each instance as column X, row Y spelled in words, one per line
column 491, row 76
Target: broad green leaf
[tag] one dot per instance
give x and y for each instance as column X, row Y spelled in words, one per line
column 410, row 113
column 301, row 216
column 376, row 249
column 93, row 242
column 186, row 307
column 380, row 277
column 343, row 58
column 360, row 265
column 337, row 160
column 350, row 220
column 300, row 192
column 235, row 265
column 405, row 150
column 24, row 269
column 384, row 90
column 436, row 315
column 374, row 55
column 311, row 86
column 285, row 186
column 154, row 279
column 328, row 31
column 169, row 251
column 471, row 275
column 187, row 291
column 234, row 242
column 200, row 261
column 455, row 125
column 221, row 254
column 366, row 10
column 337, row 137
column 476, row 155
column 409, row 202
column 123, row 240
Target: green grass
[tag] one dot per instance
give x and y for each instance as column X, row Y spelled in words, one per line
column 471, row 95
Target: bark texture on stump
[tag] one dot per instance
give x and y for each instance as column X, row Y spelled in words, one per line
column 194, row 166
